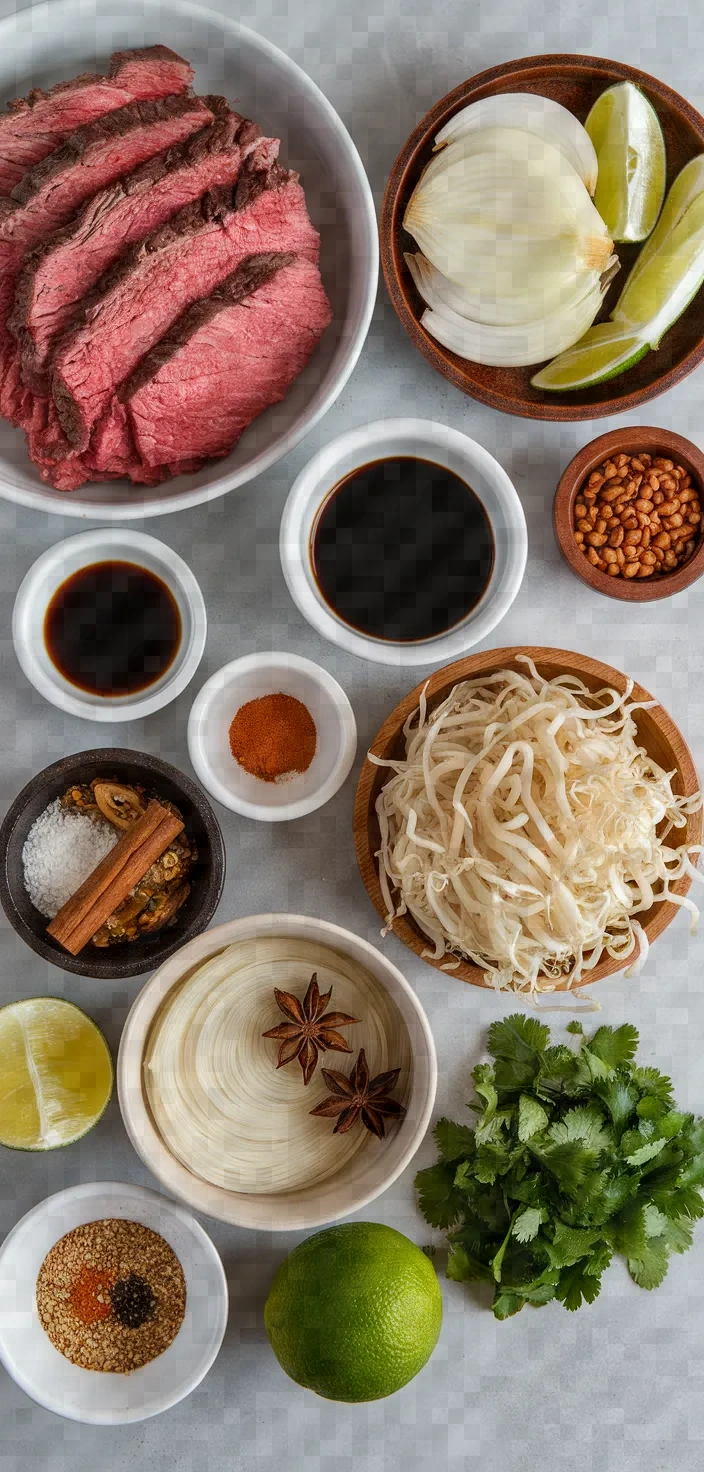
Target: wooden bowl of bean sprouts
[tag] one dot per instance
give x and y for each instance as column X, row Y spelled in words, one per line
column 592, row 710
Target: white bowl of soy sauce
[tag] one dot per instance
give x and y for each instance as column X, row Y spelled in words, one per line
column 404, row 542
column 109, row 625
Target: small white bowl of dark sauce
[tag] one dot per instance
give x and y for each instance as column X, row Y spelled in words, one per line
column 404, row 542
column 109, row 625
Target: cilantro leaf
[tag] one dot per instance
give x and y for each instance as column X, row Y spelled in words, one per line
column 516, row 1043
column 650, row 1266
column 453, row 1140
column 569, row 1244
column 577, row 1286
column 439, row 1202
column 626, row 1231
column 615, row 1046
column 527, row 1224
column 532, row 1118
column 489, row 1162
column 620, row 1099
column 505, row 1304
column 557, row 1074
column 651, row 1081
column 484, row 1086
column 586, row 1123
column 569, row 1163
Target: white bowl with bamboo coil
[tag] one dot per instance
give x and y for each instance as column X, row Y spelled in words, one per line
column 374, row 1167
column 657, row 733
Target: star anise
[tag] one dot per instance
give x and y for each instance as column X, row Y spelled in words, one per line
column 311, row 1030
column 358, row 1095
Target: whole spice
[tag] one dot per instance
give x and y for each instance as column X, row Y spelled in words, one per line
column 111, row 1295
column 112, row 881
column 273, row 737
column 311, row 1030
column 358, row 1096
column 637, row 517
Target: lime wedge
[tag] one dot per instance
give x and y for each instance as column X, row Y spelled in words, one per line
column 603, row 352
column 654, row 298
column 630, row 150
column 55, row 1074
column 686, row 190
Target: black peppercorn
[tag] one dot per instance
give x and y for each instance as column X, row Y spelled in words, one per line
column 133, row 1301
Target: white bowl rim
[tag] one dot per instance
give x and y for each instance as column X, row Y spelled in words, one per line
column 83, row 1192
column 68, row 504
column 104, row 541
column 144, row 1007
column 319, row 474
column 286, row 811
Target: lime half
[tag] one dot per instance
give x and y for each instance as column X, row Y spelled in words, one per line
column 630, row 150
column 602, row 353
column 55, row 1074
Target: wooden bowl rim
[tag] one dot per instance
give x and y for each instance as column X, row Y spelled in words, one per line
column 439, row 114
column 566, row 661
column 628, row 440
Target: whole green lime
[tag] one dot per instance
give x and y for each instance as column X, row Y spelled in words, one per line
column 354, row 1312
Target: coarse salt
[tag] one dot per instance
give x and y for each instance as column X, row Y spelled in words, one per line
column 60, row 851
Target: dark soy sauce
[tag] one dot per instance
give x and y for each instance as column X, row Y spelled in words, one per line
column 112, row 629
column 402, row 549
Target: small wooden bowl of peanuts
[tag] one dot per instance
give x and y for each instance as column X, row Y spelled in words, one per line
column 629, row 514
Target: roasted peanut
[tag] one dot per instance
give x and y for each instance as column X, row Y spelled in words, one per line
column 637, row 516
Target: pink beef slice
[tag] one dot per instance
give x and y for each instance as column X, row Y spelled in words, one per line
column 59, row 272
column 156, row 281
column 226, row 360
column 50, row 194
column 34, row 126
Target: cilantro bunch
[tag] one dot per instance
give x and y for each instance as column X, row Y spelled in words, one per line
column 575, row 1155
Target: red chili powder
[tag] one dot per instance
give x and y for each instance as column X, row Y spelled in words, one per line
column 90, row 1295
column 272, row 736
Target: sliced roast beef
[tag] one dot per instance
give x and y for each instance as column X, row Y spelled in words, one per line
column 58, row 273
column 224, row 361
column 53, row 190
column 34, row 126
column 135, row 304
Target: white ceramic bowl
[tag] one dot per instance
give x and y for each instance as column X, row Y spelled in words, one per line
column 59, row 563
column 367, row 1174
column 425, row 440
column 268, row 674
column 50, row 42
column 87, row 1395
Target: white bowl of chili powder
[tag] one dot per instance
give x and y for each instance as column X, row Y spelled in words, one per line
column 272, row 736
column 107, row 1397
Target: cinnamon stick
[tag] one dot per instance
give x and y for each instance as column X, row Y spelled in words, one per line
column 118, row 873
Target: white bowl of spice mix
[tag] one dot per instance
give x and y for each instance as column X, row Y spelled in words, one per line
column 272, row 736
column 279, row 1073
column 113, row 1303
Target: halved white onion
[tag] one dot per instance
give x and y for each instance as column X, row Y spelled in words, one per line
column 534, row 114
column 514, row 346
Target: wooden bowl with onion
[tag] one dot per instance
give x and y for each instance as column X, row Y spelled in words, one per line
column 575, row 82
column 631, row 440
column 657, row 733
